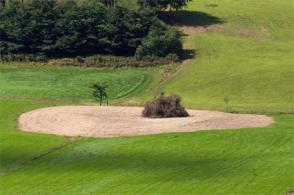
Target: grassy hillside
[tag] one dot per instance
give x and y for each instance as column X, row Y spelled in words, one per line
column 247, row 161
column 247, row 58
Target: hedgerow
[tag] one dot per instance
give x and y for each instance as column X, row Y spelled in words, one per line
column 99, row 61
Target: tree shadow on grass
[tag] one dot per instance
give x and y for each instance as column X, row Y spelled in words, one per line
column 188, row 54
column 190, row 18
column 194, row 19
column 156, row 162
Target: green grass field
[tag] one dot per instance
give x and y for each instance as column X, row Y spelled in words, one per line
column 247, row 161
column 247, row 58
column 69, row 83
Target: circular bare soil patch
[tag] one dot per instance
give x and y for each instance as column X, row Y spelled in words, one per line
column 95, row 121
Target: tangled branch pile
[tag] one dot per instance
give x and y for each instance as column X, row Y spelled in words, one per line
column 165, row 107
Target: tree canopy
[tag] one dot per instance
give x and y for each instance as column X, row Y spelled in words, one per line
column 73, row 29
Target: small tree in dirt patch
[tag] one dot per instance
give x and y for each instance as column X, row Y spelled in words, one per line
column 100, row 93
column 165, row 107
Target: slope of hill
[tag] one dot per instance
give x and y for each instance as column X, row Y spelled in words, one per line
column 247, row 58
column 243, row 52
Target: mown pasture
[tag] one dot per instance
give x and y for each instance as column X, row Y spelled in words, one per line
column 247, row 57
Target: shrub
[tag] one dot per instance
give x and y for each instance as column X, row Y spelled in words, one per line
column 165, row 107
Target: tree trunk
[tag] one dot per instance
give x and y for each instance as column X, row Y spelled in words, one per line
column 2, row 2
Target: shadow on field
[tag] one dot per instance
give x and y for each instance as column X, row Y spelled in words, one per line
column 188, row 54
column 159, row 163
column 161, row 167
column 190, row 18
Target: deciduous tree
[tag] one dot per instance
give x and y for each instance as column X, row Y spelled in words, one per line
column 100, row 93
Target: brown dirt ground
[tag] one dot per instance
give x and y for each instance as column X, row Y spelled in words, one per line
column 95, row 121
column 260, row 34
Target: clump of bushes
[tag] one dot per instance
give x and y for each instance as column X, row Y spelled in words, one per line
column 165, row 107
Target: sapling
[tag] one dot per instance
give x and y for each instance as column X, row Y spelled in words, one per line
column 226, row 101
column 100, row 93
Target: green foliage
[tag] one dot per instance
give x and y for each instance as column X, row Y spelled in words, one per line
column 164, row 4
column 100, row 92
column 28, row 28
column 126, row 29
column 160, row 42
column 130, row 4
column 72, row 29
column 108, row 3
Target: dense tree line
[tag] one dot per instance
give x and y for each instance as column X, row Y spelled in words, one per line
column 70, row 29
